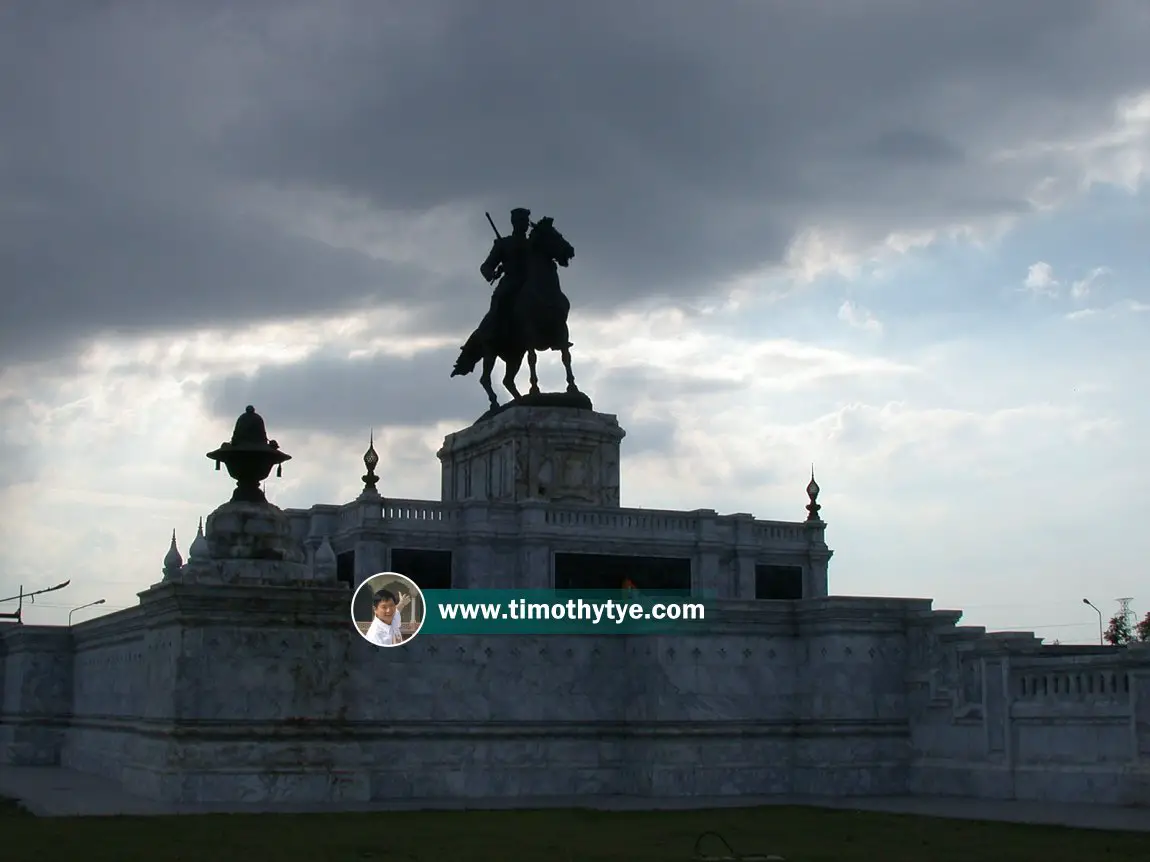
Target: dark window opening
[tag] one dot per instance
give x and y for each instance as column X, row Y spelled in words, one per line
column 431, row 570
column 345, row 569
column 779, row 583
column 362, row 605
column 652, row 575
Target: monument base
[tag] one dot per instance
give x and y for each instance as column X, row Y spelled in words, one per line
column 550, row 447
column 248, row 542
column 243, row 530
column 576, row 399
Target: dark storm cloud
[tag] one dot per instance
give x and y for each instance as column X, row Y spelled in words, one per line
column 676, row 142
column 908, row 145
column 335, row 395
column 85, row 270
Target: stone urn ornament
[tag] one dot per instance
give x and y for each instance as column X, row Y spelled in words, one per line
column 249, row 457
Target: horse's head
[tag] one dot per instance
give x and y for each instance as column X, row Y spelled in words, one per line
column 551, row 242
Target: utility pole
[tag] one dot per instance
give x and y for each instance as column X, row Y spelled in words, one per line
column 19, row 598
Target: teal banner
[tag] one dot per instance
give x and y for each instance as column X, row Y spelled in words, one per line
column 555, row 612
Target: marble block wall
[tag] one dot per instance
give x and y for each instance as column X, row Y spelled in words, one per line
column 852, row 696
column 230, row 693
column 111, row 684
column 245, row 693
column 707, row 713
column 36, row 700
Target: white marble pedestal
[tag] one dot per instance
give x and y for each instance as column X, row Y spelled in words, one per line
column 529, row 453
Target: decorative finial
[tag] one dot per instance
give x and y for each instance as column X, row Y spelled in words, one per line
column 249, row 457
column 199, row 549
column 813, row 493
column 370, row 460
column 325, row 565
column 173, row 562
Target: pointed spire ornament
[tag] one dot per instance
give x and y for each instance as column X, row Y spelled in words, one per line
column 325, row 564
column 813, row 506
column 173, row 562
column 370, row 460
column 199, row 549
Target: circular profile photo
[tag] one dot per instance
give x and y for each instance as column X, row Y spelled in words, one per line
column 388, row 609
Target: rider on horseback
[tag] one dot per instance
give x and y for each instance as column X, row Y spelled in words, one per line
column 528, row 310
column 508, row 263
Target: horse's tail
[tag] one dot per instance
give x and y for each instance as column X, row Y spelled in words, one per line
column 469, row 355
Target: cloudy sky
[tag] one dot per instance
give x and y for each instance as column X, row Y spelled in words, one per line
column 905, row 240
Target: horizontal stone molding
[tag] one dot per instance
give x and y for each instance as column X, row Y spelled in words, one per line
column 360, row 730
column 1085, row 767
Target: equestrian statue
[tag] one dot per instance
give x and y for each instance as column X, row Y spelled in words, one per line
column 528, row 312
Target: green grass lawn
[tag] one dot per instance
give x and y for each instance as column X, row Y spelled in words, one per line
column 798, row 834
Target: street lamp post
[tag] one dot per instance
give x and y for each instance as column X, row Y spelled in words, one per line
column 89, row 605
column 1101, row 639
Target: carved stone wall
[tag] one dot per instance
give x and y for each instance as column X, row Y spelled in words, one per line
column 556, row 454
column 998, row 715
column 232, row 693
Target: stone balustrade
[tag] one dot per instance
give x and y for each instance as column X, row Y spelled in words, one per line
column 1007, row 717
column 1072, row 685
column 620, row 520
column 416, row 516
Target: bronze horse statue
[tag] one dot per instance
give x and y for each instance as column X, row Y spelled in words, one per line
column 533, row 318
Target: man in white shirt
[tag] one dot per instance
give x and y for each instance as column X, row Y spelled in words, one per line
column 384, row 629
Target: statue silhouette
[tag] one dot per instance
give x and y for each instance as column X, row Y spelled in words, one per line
column 528, row 310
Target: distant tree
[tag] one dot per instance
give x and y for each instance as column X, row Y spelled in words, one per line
column 1142, row 630
column 1118, row 632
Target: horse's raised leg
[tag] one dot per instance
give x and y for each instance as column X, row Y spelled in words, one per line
column 531, row 359
column 485, row 380
column 566, row 354
column 513, row 367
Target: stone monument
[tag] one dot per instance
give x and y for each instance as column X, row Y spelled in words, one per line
column 551, row 447
column 247, row 529
column 528, row 312
column 240, row 678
